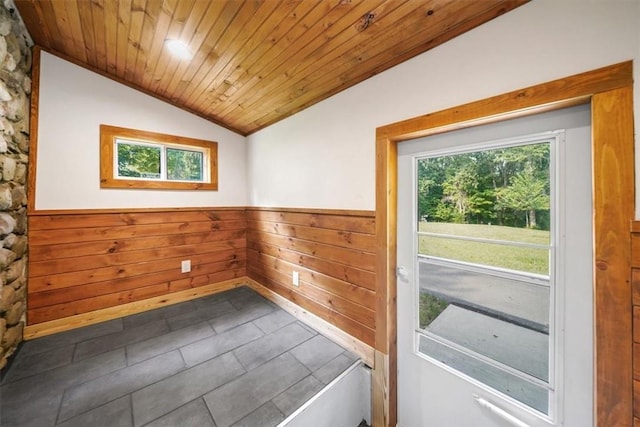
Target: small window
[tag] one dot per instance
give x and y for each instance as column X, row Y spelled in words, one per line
column 138, row 159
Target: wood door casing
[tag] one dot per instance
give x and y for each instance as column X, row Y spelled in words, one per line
column 610, row 92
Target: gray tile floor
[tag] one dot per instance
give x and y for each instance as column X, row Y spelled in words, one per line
column 230, row 359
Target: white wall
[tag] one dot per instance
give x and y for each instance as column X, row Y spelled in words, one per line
column 73, row 104
column 324, row 157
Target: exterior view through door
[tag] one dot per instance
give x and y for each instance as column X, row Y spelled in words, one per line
column 494, row 290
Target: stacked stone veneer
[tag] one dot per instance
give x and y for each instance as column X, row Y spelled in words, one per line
column 15, row 88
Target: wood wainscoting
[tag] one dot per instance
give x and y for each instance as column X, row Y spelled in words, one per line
column 88, row 266
column 84, row 261
column 334, row 254
column 635, row 300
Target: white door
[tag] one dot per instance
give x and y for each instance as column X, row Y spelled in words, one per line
column 495, row 278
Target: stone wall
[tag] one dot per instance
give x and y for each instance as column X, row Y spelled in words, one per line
column 15, row 88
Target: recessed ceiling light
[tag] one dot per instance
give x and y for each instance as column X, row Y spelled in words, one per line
column 179, row 49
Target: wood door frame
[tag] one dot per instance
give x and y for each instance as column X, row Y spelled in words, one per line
column 610, row 92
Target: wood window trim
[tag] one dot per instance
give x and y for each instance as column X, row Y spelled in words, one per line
column 107, row 179
column 610, row 92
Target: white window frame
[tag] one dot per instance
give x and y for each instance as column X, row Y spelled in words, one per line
column 163, row 160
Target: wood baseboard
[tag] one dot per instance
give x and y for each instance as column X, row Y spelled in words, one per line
column 90, row 318
column 364, row 351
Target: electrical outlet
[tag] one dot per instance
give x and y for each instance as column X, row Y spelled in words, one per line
column 295, row 279
column 186, row 266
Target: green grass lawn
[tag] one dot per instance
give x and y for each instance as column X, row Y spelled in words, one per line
column 512, row 257
column 430, row 307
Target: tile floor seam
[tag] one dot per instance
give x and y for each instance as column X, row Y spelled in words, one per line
column 239, row 382
column 88, row 338
column 73, row 355
column 263, row 362
column 57, row 418
column 184, row 368
column 294, row 356
column 186, row 365
column 281, row 353
column 112, row 348
column 95, row 378
column 105, row 403
column 64, row 392
column 126, row 355
column 11, row 378
column 170, row 412
column 131, row 406
column 204, row 393
column 170, row 349
column 208, row 409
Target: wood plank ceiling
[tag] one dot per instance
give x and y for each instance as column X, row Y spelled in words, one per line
column 255, row 61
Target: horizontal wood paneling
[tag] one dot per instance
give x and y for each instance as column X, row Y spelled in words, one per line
column 635, row 299
column 344, row 273
column 635, row 285
column 81, row 234
column 636, row 361
column 340, row 238
column 44, row 268
column 635, row 249
column 636, row 397
column 635, row 289
column 87, row 261
column 319, row 288
column 330, row 220
column 103, row 247
column 52, row 220
column 80, row 275
column 334, row 253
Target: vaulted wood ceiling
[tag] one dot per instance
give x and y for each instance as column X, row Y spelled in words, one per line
column 255, row 61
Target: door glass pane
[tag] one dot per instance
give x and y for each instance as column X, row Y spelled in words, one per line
column 529, row 259
column 519, row 301
column 484, row 260
column 531, row 394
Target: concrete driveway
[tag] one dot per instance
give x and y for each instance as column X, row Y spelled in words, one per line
column 522, row 303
